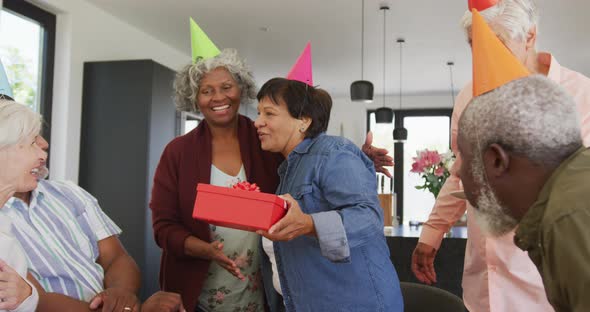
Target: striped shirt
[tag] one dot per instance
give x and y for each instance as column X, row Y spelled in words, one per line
column 13, row 254
column 59, row 232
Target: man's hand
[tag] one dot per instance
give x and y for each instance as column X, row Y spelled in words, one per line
column 216, row 254
column 294, row 224
column 121, row 277
column 163, row 302
column 378, row 155
column 423, row 263
column 13, row 288
column 115, row 299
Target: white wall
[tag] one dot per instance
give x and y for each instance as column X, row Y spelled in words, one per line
column 353, row 115
column 86, row 33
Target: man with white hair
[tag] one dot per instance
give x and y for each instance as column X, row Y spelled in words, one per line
column 524, row 165
column 497, row 276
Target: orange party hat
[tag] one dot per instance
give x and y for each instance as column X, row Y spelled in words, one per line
column 493, row 64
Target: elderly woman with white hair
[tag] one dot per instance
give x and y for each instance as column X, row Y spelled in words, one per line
column 525, row 136
column 497, row 276
column 22, row 159
column 22, row 165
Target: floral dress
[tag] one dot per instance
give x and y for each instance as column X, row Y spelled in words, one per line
column 222, row 291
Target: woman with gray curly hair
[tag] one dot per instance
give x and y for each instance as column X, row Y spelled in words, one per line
column 213, row 268
column 186, row 85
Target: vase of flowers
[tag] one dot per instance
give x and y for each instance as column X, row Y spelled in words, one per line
column 434, row 168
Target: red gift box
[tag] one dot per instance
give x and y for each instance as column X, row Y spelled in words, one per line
column 238, row 209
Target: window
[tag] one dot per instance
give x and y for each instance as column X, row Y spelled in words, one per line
column 382, row 137
column 186, row 122
column 426, row 129
column 27, row 52
column 433, row 133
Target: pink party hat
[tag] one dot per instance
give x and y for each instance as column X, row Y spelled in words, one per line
column 301, row 70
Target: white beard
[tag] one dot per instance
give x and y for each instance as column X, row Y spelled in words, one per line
column 492, row 217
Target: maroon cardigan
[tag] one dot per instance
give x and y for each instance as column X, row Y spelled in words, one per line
column 186, row 161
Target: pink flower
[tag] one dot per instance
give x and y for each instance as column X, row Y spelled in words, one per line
column 417, row 166
column 430, row 158
column 439, row 172
column 426, row 159
column 219, row 296
column 254, row 281
column 241, row 261
column 431, row 165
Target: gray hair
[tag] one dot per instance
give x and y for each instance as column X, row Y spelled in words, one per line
column 531, row 117
column 186, row 84
column 17, row 122
column 509, row 19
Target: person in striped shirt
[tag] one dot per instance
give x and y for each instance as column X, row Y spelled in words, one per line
column 72, row 247
column 19, row 155
column 75, row 260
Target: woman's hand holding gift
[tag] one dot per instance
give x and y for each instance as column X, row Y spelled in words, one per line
column 294, row 224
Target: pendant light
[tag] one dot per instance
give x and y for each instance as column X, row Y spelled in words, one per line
column 362, row 90
column 450, row 64
column 400, row 134
column 384, row 114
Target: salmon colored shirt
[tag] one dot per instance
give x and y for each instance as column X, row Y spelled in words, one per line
column 498, row 276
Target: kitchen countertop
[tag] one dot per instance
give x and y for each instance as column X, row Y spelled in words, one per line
column 448, row 263
column 414, row 231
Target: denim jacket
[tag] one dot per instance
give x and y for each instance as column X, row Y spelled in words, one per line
column 347, row 266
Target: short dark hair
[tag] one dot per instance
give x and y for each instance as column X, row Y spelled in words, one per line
column 302, row 101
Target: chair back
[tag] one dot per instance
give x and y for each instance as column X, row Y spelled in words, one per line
column 422, row 298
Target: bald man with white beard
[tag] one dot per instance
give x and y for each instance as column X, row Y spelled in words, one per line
column 524, row 165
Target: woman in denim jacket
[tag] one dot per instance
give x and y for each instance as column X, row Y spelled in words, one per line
column 328, row 253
